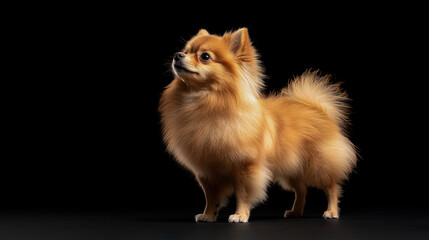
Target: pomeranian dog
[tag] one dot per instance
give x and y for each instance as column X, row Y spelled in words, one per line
column 218, row 125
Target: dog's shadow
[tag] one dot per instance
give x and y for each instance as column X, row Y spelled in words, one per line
column 220, row 219
column 162, row 219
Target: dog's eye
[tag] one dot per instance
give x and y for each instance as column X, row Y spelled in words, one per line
column 205, row 57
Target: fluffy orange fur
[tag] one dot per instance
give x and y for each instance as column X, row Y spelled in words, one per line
column 218, row 125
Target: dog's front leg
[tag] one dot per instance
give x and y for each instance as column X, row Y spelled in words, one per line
column 250, row 186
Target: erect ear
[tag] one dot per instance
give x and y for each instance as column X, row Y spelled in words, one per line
column 240, row 41
column 202, row 32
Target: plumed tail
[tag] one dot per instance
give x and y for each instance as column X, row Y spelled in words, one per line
column 316, row 89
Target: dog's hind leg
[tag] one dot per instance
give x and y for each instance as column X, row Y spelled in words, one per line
column 299, row 203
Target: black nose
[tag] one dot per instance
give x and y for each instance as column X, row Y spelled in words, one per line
column 179, row 56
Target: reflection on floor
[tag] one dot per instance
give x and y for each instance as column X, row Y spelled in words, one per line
column 156, row 224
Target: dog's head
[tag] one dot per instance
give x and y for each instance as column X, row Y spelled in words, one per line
column 210, row 60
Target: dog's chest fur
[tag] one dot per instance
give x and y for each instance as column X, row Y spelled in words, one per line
column 205, row 136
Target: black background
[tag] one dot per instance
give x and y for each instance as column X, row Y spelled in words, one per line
column 83, row 128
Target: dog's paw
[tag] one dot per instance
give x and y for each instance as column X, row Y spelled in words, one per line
column 330, row 215
column 238, row 218
column 292, row 214
column 205, row 218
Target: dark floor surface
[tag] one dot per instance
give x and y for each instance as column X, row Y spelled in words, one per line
column 154, row 224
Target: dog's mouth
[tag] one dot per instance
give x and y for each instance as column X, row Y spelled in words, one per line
column 180, row 68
